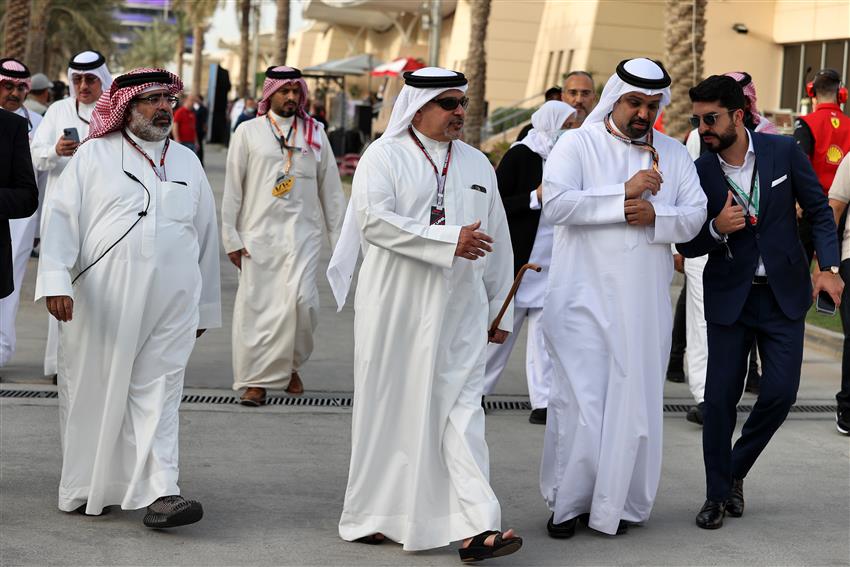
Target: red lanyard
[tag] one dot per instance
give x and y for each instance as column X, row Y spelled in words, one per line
column 77, row 102
column 441, row 178
column 162, row 177
column 645, row 145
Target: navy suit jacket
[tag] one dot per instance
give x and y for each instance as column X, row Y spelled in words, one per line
column 785, row 178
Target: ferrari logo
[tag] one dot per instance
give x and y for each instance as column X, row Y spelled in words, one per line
column 835, row 122
column 834, row 154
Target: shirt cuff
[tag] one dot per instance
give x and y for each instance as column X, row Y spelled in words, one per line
column 534, row 202
column 53, row 283
column 714, row 234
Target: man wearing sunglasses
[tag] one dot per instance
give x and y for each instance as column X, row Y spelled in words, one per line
column 52, row 149
column 437, row 268
column 129, row 267
column 756, row 282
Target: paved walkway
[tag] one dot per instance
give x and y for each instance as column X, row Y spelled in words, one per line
column 272, row 480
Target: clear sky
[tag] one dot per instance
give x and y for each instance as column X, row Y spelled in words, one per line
column 225, row 23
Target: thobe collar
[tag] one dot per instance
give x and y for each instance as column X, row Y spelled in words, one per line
column 85, row 109
column 433, row 146
column 153, row 149
column 281, row 120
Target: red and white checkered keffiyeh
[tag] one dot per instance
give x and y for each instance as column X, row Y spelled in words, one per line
column 111, row 108
column 750, row 93
column 312, row 133
column 13, row 70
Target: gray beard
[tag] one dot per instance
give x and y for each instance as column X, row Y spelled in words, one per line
column 145, row 129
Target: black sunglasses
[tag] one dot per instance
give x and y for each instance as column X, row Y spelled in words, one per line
column 451, row 102
column 710, row 119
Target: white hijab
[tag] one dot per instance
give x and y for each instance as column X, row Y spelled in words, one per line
column 617, row 87
column 411, row 99
column 546, row 125
column 101, row 72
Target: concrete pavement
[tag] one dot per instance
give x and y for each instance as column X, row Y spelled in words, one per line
column 272, row 480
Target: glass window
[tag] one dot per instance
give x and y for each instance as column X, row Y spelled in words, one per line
column 790, row 76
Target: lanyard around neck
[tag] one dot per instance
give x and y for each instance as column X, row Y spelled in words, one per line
column 139, row 149
column 284, row 141
column 77, row 103
column 441, row 177
column 647, row 145
column 751, row 201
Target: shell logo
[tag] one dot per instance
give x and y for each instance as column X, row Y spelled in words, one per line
column 835, row 122
column 834, row 155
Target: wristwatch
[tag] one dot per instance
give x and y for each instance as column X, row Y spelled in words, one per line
column 832, row 269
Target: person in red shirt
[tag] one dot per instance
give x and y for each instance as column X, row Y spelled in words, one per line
column 824, row 136
column 184, row 130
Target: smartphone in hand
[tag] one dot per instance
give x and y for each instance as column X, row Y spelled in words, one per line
column 71, row 134
column 825, row 304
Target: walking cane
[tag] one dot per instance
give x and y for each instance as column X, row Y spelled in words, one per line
column 510, row 296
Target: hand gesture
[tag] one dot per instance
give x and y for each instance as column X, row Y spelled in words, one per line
column 639, row 212
column 472, row 244
column 731, row 218
column 644, row 180
column 236, row 257
column 61, row 307
column 66, row 147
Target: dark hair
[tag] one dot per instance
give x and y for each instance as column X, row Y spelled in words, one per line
column 826, row 82
column 585, row 73
column 722, row 89
column 553, row 93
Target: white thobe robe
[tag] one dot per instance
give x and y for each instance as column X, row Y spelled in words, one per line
column 60, row 115
column 123, row 356
column 22, row 232
column 607, row 323
column 419, row 469
column 277, row 302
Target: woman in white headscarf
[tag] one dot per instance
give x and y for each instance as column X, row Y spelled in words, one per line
column 520, row 174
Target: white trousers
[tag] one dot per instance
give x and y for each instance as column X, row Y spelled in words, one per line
column 695, row 328
column 22, row 232
column 538, row 366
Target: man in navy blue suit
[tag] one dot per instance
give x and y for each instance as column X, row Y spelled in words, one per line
column 757, row 282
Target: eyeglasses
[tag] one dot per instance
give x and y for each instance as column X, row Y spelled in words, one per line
column 10, row 86
column 158, row 99
column 451, row 102
column 77, row 79
column 710, row 119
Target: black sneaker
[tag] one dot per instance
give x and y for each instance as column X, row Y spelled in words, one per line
column 695, row 413
column 538, row 416
column 842, row 421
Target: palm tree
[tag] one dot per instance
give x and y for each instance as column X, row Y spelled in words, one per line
column 684, row 39
column 199, row 13
column 476, row 65
column 244, row 45
column 282, row 31
column 15, row 30
column 181, row 29
column 152, row 47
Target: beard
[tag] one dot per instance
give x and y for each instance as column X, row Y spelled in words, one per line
column 454, row 129
column 723, row 139
column 287, row 109
column 146, row 129
column 637, row 128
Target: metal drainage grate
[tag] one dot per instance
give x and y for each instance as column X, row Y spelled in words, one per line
column 346, row 402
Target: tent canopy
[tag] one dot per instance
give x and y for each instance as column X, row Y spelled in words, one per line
column 356, row 65
column 397, row 67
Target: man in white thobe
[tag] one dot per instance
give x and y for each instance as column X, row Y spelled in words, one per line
column 52, row 149
column 281, row 193
column 129, row 266
column 423, row 204
column 618, row 194
column 15, row 82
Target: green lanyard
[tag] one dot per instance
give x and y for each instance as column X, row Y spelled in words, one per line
column 751, row 201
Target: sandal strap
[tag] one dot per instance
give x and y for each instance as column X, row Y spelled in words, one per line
column 482, row 537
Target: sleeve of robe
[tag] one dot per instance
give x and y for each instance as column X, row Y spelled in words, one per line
column 565, row 201
column 43, row 146
column 682, row 220
column 374, row 196
column 209, row 304
column 330, row 192
column 231, row 200
column 60, row 231
column 499, row 271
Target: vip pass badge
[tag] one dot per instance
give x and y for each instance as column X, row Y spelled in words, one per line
column 285, row 181
column 438, row 211
column 750, row 203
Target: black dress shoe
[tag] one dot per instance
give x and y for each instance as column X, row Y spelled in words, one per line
column 711, row 515
column 564, row 530
column 694, row 414
column 735, row 501
column 538, row 416
column 676, row 375
column 622, row 527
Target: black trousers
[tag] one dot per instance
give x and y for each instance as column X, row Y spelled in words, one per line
column 780, row 343
column 843, row 397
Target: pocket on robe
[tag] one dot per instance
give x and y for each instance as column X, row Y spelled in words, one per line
column 177, row 202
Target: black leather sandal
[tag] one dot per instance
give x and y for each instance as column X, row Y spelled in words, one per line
column 478, row 550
